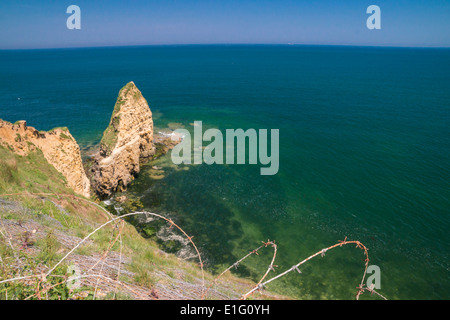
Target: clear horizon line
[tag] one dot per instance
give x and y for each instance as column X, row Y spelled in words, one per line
column 230, row 44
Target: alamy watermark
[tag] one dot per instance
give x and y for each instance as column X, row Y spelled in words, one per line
column 374, row 281
column 231, row 150
column 74, row 281
column 74, row 20
column 374, row 21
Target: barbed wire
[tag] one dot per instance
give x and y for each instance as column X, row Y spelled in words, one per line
column 42, row 277
column 361, row 288
column 236, row 264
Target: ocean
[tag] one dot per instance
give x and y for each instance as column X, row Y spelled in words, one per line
column 364, row 151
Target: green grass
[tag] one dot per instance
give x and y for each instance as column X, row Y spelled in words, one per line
column 30, row 173
column 64, row 136
column 109, row 138
column 49, row 247
column 60, row 128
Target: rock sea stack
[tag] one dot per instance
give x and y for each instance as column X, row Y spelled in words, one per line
column 126, row 142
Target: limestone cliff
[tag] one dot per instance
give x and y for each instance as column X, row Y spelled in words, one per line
column 126, row 142
column 58, row 147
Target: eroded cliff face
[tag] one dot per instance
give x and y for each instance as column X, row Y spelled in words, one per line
column 58, row 147
column 126, row 142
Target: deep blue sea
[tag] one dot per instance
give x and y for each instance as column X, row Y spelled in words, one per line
column 364, row 151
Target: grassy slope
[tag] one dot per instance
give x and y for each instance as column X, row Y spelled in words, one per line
column 31, row 173
column 68, row 218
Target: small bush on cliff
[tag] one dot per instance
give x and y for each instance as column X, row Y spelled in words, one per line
column 49, row 248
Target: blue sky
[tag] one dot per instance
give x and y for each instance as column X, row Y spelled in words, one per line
column 42, row 24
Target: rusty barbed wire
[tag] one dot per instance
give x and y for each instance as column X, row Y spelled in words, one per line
column 102, row 258
column 361, row 288
column 236, row 264
column 271, row 266
column 42, row 277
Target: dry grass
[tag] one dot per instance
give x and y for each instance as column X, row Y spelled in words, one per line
column 117, row 239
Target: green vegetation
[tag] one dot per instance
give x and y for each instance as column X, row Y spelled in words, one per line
column 64, row 136
column 49, row 246
column 60, row 128
column 109, row 139
column 30, row 173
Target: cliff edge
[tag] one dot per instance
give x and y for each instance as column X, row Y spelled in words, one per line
column 57, row 145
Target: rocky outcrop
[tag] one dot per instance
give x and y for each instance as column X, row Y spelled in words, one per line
column 58, row 147
column 126, row 142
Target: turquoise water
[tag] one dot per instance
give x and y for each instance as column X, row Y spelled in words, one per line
column 364, row 151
